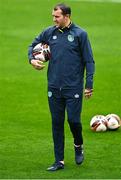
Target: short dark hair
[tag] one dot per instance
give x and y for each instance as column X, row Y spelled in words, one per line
column 64, row 8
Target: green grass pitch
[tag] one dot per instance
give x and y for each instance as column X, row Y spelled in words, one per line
column 26, row 147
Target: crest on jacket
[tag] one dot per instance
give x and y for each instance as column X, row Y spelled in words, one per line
column 70, row 38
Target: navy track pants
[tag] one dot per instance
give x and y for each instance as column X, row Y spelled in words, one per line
column 59, row 101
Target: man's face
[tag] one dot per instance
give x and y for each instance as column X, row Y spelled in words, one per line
column 58, row 18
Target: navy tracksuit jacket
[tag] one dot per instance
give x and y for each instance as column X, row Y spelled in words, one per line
column 71, row 54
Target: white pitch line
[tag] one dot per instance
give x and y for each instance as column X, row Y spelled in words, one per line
column 98, row 1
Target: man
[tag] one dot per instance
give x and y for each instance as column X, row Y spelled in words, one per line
column 71, row 54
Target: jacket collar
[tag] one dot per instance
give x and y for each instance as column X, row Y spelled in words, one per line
column 65, row 28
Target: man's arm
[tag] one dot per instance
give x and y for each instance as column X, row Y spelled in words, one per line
column 37, row 64
column 89, row 63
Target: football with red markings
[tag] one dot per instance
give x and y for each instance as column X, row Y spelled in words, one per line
column 98, row 123
column 41, row 52
column 113, row 121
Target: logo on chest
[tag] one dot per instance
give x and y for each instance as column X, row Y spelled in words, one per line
column 70, row 38
column 55, row 37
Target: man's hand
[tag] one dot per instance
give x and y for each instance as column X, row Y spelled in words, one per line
column 88, row 93
column 37, row 64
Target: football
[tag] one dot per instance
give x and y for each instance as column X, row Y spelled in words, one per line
column 41, row 52
column 113, row 121
column 98, row 123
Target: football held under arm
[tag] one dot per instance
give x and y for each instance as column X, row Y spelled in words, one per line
column 37, row 40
